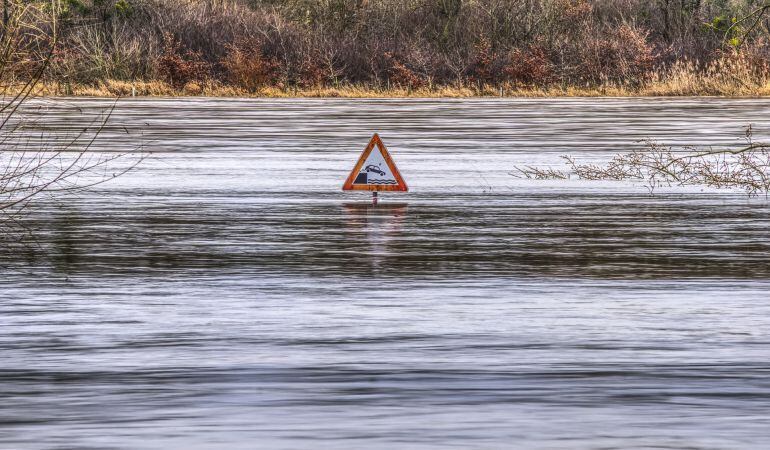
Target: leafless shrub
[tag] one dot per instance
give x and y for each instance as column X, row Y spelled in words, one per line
column 746, row 168
column 114, row 52
column 540, row 173
column 35, row 158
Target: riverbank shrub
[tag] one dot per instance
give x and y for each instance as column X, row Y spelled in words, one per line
column 411, row 44
column 179, row 66
column 246, row 66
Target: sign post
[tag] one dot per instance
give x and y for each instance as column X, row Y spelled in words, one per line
column 375, row 171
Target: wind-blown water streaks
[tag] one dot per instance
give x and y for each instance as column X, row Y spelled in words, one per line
column 220, row 297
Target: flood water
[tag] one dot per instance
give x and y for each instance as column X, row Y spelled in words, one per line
column 227, row 294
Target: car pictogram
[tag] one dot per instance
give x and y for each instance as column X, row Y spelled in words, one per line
column 375, row 169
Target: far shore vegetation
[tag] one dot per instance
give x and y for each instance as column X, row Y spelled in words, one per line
column 398, row 48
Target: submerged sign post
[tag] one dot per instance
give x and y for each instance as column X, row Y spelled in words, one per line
column 375, row 171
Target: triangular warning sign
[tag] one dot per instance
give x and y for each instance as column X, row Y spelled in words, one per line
column 375, row 171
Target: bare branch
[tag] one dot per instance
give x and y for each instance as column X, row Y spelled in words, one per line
column 746, row 168
column 37, row 160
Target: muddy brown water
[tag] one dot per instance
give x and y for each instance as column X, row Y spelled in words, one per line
column 227, row 294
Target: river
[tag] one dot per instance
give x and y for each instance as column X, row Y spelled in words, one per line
column 227, row 294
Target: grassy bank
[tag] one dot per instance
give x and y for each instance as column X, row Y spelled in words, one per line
column 113, row 88
column 678, row 81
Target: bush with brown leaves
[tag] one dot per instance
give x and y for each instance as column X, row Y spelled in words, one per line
column 178, row 66
column 246, row 66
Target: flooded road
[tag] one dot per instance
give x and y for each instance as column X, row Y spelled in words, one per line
column 227, row 294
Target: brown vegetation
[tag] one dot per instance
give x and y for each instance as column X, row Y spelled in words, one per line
column 413, row 47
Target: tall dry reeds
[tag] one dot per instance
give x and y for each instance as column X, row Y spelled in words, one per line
column 731, row 73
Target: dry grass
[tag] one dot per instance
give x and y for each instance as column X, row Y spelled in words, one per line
column 725, row 77
column 678, row 83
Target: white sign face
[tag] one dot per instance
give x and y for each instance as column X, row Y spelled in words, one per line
column 375, row 170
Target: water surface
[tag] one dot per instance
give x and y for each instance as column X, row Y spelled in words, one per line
column 226, row 294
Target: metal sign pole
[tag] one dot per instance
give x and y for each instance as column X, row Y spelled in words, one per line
column 374, row 198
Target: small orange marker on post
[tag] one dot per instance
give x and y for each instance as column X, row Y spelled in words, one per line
column 375, row 171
